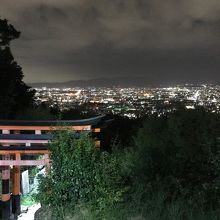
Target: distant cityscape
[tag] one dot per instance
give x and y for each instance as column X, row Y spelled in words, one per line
column 133, row 102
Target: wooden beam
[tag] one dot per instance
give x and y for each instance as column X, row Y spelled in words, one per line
column 22, row 162
column 2, row 152
column 97, row 130
column 27, row 142
column 25, row 137
column 44, row 128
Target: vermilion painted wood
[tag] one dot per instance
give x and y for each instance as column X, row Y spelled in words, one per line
column 23, row 162
column 6, row 170
column 29, row 152
column 44, row 128
column 5, row 197
column 16, row 174
column 19, row 162
column 16, row 180
column 23, row 141
column 96, row 130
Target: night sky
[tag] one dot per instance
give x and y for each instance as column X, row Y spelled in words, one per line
column 157, row 40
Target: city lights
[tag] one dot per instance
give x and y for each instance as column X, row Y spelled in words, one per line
column 133, row 102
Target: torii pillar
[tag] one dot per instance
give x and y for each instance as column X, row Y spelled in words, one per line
column 6, row 203
column 16, row 176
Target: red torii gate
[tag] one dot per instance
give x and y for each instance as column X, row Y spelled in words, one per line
column 19, row 138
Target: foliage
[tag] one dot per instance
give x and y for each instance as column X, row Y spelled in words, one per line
column 78, row 112
column 15, row 95
column 27, row 200
column 119, row 132
column 8, row 33
column 156, row 206
column 37, row 112
column 81, row 175
column 176, row 154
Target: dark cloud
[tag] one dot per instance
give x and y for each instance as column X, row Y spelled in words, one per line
column 80, row 39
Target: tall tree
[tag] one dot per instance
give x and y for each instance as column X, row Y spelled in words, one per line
column 15, row 95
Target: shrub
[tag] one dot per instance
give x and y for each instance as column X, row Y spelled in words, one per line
column 81, row 175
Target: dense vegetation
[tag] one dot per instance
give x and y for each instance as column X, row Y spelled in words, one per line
column 169, row 171
column 81, row 176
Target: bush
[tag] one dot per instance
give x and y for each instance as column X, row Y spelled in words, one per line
column 81, row 176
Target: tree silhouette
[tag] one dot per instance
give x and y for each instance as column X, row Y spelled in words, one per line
column 15, row 95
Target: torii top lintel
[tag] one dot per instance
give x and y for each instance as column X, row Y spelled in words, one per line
column 82, row 124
